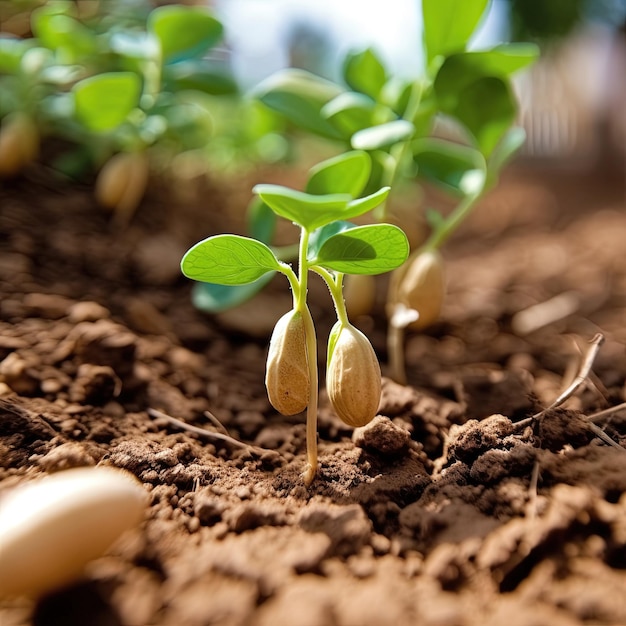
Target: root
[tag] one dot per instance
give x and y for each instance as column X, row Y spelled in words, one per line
column 208, row 434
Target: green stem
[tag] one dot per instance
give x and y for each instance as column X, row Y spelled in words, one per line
column 311, row 355
column 398, row 151
column 441, row 234
column 311, row 409
column 335, row 286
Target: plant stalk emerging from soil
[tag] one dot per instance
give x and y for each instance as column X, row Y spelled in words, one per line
column 330, row 246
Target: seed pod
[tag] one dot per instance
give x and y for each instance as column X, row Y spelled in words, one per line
column 359, row 293
column 353, row 378
column 19, row 144
column 419, row 285
column 122, row 182
column 287, row 372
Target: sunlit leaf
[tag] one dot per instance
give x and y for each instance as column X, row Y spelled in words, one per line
column 364, row 72
column 345, row 173
column 228, row 260
column 458, row 169
column 383, row 135
column 311, row 211
column 299, row 96
column 184, row 32
column 363, row 205
column 307, row 210
column 449, row 24
column 371, row 249
column 104, row 101
column 349, row 112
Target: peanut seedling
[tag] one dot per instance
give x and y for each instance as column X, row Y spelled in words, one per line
column 331, row 247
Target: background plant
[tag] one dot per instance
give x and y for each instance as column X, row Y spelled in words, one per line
column 397, row 122
column 116, row 77
column 330, row 246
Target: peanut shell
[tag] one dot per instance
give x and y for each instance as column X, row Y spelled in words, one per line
column 287, row 372
column 353, row 378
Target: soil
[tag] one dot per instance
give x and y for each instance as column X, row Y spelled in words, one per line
column 446, row 510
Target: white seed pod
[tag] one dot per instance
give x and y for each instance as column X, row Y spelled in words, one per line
column 419, row 285
column 52, row 527
column 19, row 144
column 122, row 182
column 360, row 294
column 287, row 372
column 353, row 378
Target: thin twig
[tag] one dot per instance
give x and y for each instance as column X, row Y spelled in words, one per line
column 581, row 377
column 606, row 413
column 598, row 432
column 209, row 434
column 216, row 423
column 583, row 373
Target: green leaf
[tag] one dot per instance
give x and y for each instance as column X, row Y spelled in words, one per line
column 502, row 60
column 363, row 205
column 61, row 32
column 382, row 136
column 345, row 173
column 364, row 72
column 104, row 101
column 487, row 108
column 318, row 237
column 184, row 32
column 449, row 24
column 459, row 71
column 228, row 260
column 299, row 96
column 199, row 76
column 458, row 169
column 349, row 112
column 371, row 249
column 212, row 298
column 308, row 210
column 311, row 211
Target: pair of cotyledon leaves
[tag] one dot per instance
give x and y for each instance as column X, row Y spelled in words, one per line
column 336, row 244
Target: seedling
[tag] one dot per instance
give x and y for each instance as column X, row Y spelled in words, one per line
column 397, row 122
column 331, row 247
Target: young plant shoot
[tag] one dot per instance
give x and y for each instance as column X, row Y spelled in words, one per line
column 331, row 247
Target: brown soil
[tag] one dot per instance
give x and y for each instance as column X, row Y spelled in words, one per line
column 429, row 515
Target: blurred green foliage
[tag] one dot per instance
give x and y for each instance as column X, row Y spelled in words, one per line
column 122, row 76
